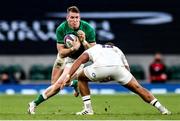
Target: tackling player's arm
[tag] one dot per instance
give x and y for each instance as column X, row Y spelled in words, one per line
column 83, row 58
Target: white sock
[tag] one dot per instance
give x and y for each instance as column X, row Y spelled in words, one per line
column 87, row 102
column 71, row 83
column 155, row 103
column 44, row 95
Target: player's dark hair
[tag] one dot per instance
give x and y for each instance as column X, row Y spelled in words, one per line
column 73, row 9
column 109, row 43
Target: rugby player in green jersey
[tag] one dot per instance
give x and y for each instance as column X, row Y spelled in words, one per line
column 66, row 56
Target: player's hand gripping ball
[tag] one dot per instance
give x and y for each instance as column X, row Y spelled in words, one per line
column 69, row 39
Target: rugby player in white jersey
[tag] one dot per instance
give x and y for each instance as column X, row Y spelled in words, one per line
column 109, row 63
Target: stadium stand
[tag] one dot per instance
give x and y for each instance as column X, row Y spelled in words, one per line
column 138, row 71
column 41, row 72
column 3, row 68
column 17, row 72
column 37, row 72
column 174, row 72
column 5, row 77
column 48, row 71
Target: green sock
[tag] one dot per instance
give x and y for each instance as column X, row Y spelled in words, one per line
column 74, row 83
column 39, row 100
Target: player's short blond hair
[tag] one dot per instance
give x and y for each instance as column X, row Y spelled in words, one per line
column 73, row 9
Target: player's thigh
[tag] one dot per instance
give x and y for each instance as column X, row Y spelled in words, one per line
column 59, row 62
column 56, row 73
column 121, row 75
column 57, row 70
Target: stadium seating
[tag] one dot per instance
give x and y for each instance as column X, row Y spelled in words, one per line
column 17, row 72
column 3, row 69
column 174, row 72
column 43, row 72
column 37, row 72
column 138, row 71
column 48, row 71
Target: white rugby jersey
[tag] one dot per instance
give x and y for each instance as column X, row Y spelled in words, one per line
column 106, row 55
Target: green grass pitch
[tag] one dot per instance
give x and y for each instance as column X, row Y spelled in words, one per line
column 106, row 107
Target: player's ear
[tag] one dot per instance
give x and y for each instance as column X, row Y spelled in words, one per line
column 67, row 17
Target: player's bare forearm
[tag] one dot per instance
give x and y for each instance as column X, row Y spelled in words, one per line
column 67, row 51
column 83, row 58
column 88, row 45
column 64, row 52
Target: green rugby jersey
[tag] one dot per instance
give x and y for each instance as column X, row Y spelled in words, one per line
column 64, row 29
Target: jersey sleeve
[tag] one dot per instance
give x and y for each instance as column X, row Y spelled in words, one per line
column 90, row 33
column 59, row 35
column 91, row 36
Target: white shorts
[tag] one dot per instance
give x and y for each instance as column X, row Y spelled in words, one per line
column 59, row 62
column 69, row 62
column 114, row 73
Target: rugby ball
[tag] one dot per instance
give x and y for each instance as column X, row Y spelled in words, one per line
column 68, row 39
